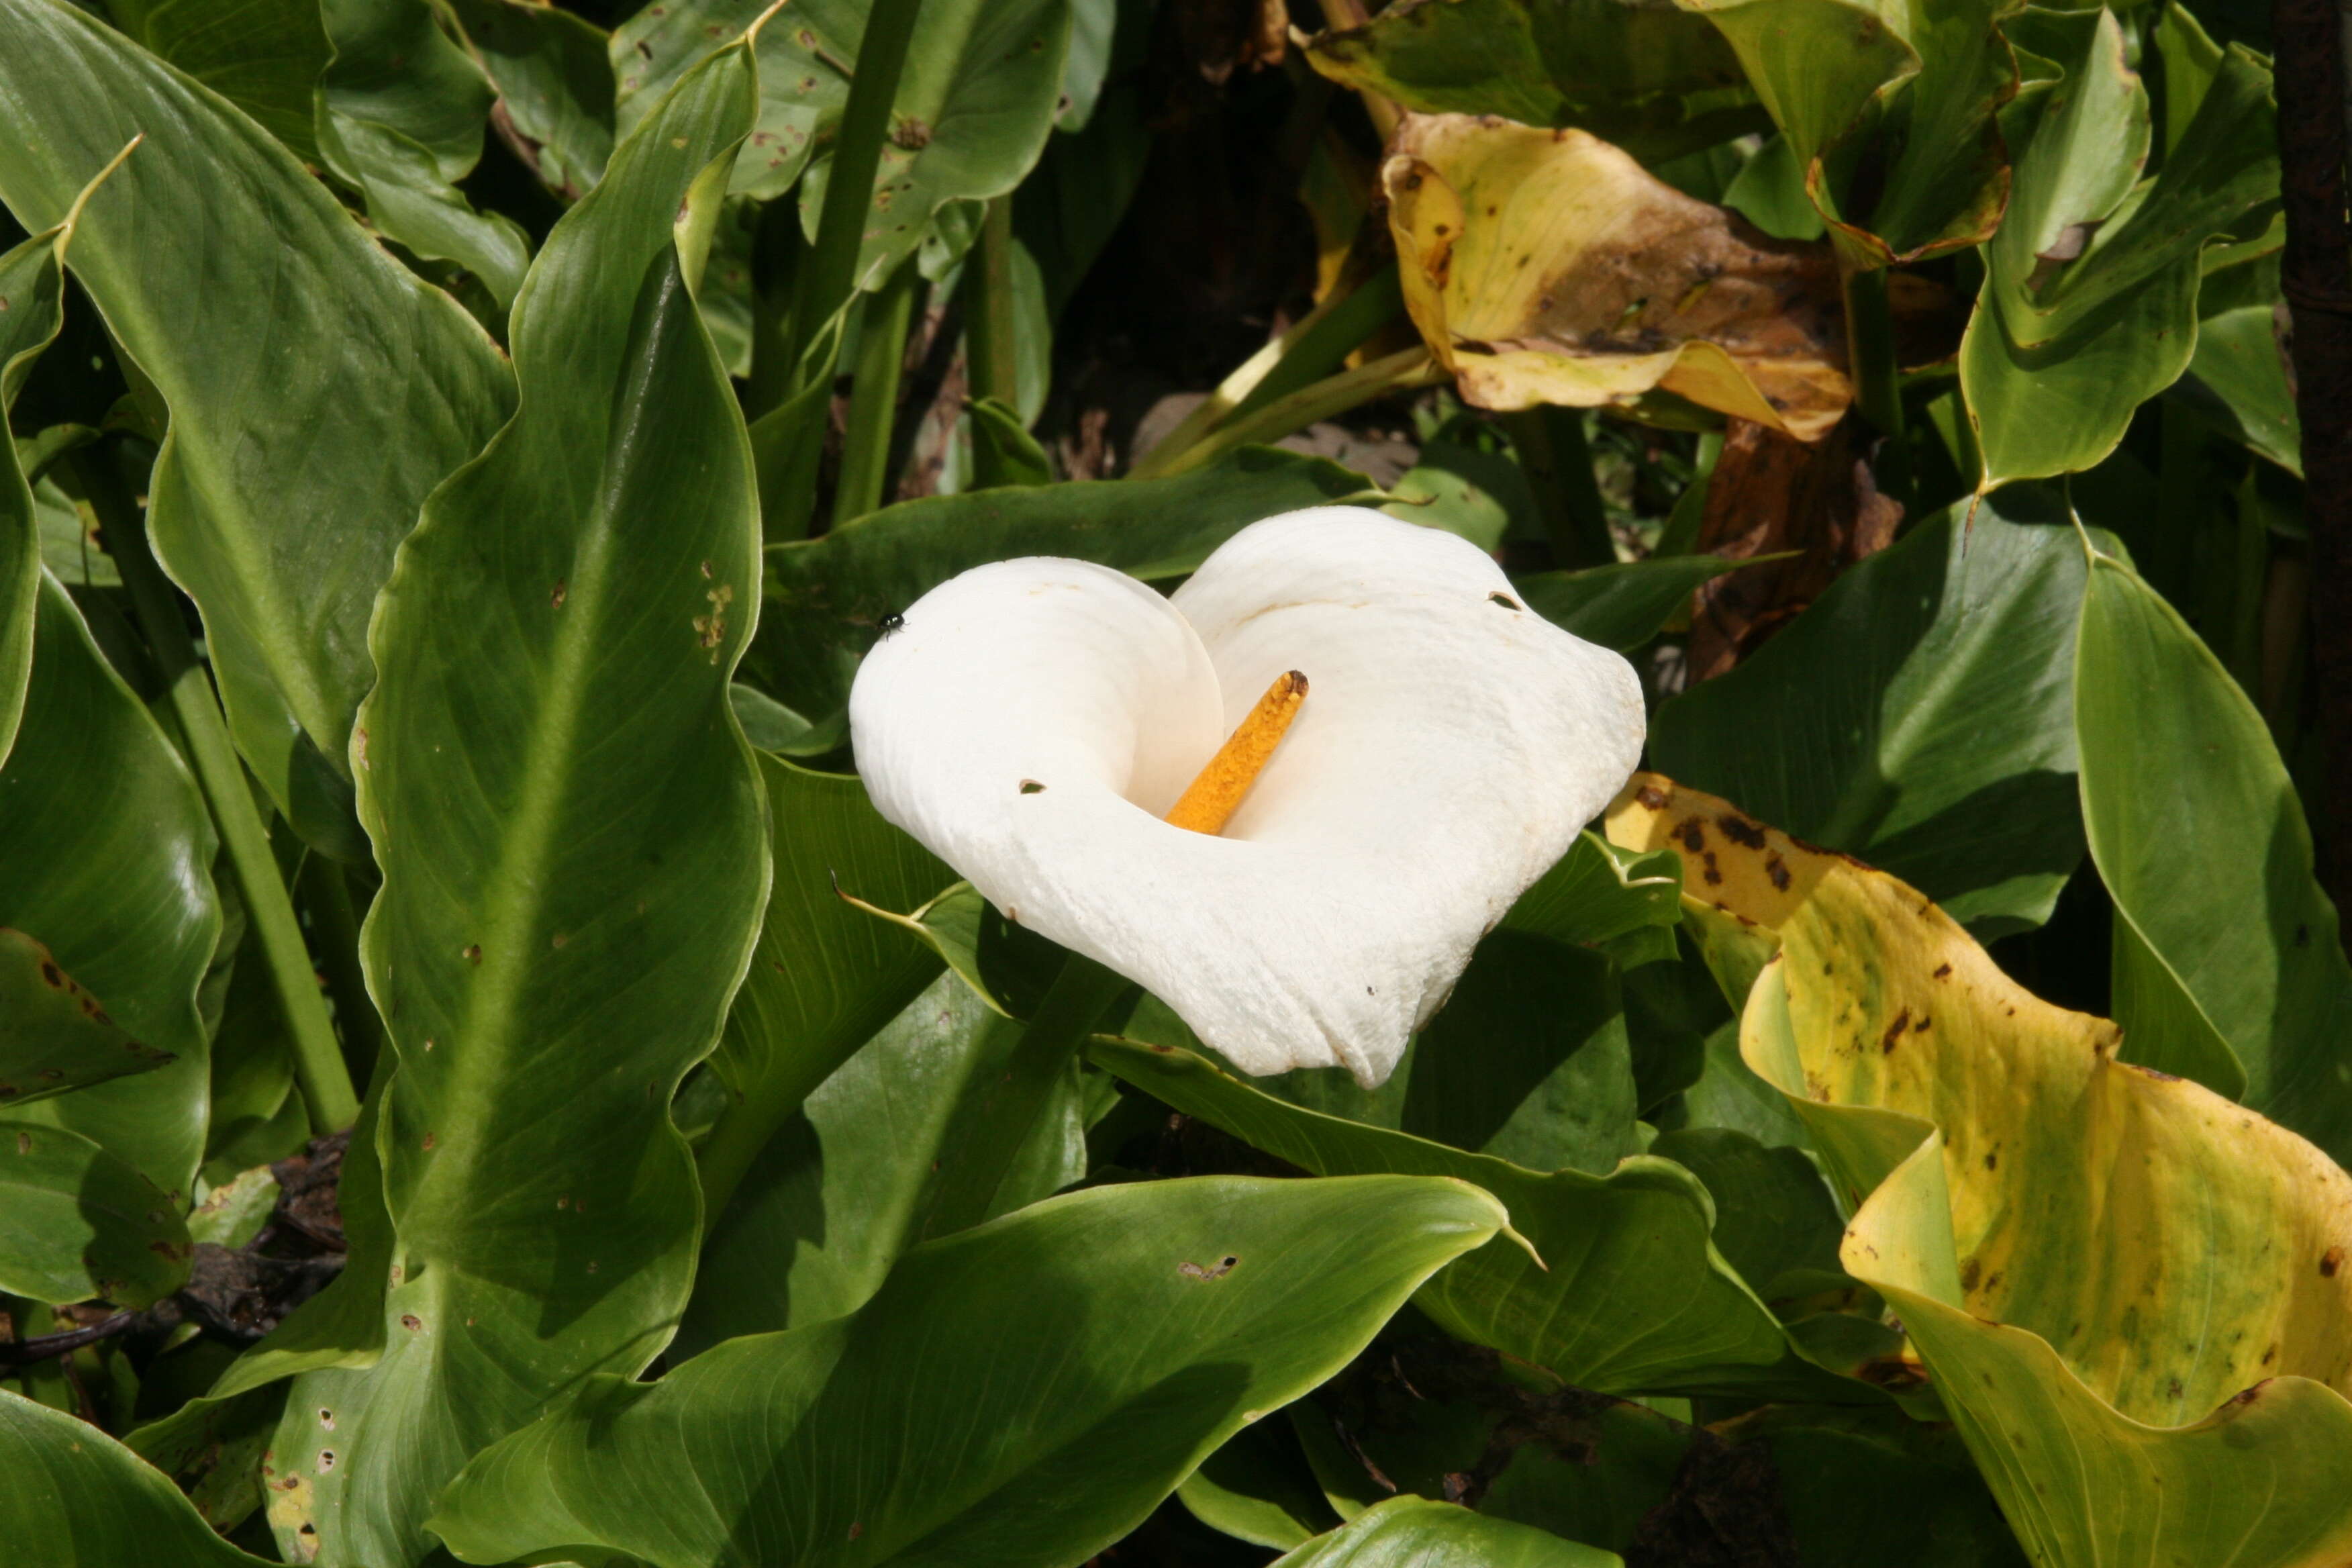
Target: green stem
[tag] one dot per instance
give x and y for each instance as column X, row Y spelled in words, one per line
column 1398, row 372
column 319, row 1067
column 1877, row 384
column 874, row 394
column 1317, row 344
column 327, row 894
column 1558, row 460
column 972, row 1172
column 825, row 276
column 991, row 331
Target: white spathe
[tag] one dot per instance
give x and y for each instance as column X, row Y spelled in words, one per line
column 1450, row 746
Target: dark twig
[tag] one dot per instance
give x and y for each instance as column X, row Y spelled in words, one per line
column 2317, row 274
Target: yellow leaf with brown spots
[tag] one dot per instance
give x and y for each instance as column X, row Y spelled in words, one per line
column 2132, row 1295
column 1550, row 266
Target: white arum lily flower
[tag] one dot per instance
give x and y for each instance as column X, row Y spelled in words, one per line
column 1032, row 723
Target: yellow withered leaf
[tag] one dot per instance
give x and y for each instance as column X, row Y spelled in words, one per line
column 1550, row 266
column 2134, row 1296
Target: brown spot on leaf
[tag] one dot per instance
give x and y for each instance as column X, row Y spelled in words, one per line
column 1216, row 1271
column 1893, row 1032
column 1691, row 836
column 1652, row 797
column 410, row 1321
column 1777, row 870
column 1740, row 831
column 473, row 954
column 1943, row 972
column 2329, row 1264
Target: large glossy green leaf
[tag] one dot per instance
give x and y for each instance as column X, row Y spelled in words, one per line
column 826, row 975
column 2089, row 305
column 76, row 1222
column 105, row 860
column 1631, row 1296
column 2228, row 963
column 849, row 1184
column 1414, row 1532
column 1651, row 78
column 32, row 282
column 54, row 1036
column 1023, row 1392
column 2129, row 1291
column 254, row 302
column 263, row 56
column 827, row 596
column 400, row 111
column 976, row 100
column 574, row 856
column 1920, row 715
column 76, row 1498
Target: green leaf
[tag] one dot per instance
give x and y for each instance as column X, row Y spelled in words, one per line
column 2228, row 964
column 1652, row 79
column 1919, row 714
column 554, row 83
column 1634, row 1297
column 252, row 300
column 1414, row 1532
column 76, row 1223
column 1774, row 1220
column 1913, row 165
column 2237, row 382
column 1258, row 1488
column 1528, row 1060
column 263, row 56
column 824, row 976
column 55, row 1035
column 574, row 853
column 2089, row 304
column 827, row 595
column 1597, row 894
column 976, row 100
column 1002, row 450
column 1889, row 111
column 105, row 856
column 75, row 1496
column 1091, row 1349
column 847, row 1185
column 32, row 283
column 401, row 108
column 1624, row 605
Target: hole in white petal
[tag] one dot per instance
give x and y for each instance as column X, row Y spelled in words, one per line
column 1503, row 599
column 1031, row 787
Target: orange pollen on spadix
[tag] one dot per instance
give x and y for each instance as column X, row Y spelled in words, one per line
column 1210, row 800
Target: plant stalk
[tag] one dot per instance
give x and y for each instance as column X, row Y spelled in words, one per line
column 1877, row 383
column 991, row 331
column 1317, row 344
column 1399, row 372
column 319, row 1068
column 326, row 892
column 972, row 1172
column 2316, row 275
column 874, row 394
column 828, row 272
column 1552, row 449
